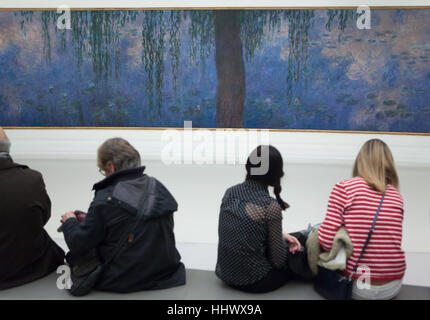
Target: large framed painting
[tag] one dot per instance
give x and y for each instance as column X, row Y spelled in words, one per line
column 283, row 69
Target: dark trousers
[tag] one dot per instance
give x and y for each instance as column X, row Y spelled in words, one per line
column 297, row 268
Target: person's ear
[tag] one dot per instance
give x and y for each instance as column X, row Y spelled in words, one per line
column 111, row 167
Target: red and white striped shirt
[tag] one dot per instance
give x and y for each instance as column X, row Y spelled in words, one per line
column 353, row 204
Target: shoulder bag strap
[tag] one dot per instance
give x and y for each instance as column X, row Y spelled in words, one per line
column 132, row 227
column 369, row 235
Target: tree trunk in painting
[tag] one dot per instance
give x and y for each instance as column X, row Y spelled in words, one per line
column 230, row 100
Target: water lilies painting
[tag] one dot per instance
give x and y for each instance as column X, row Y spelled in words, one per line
column 301, row 69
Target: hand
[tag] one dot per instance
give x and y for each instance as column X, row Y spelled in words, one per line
column 292, row 242
column 67, row 216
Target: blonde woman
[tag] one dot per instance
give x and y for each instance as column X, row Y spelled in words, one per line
column 353, row 203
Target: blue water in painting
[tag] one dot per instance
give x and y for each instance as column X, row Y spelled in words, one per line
column 356, row 80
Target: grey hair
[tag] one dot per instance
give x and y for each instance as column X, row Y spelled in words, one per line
column 4, row 145
column 120, row 153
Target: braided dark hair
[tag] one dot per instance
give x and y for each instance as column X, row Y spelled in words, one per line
column 272, row 176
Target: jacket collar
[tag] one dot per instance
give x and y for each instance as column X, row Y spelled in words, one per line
column 4, row 155
column 255, row 184
column 118, row 176
column 6, row 162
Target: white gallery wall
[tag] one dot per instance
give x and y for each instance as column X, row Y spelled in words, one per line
column 314, row 162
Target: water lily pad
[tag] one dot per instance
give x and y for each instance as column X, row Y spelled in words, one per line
column 341, row 98
column 321, row 109
column 389, row 102
column 327, row 117
column 174, row 109
column 352, row 102
column 308, row 114
column 133, row 31
column 406, row 115
column 380, row 116
column 41, row 108
column 390, row 113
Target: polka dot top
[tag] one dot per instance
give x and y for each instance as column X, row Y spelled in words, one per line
column 250, row 234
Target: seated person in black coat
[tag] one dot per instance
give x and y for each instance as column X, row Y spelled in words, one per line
column 149, row 259
column 27, row 253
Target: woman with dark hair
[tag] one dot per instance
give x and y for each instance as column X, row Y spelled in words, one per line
column 254, row 255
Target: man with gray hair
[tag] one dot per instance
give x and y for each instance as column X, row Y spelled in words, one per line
column 127, row 197
column 27, row 253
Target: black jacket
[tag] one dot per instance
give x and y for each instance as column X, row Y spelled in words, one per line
column 150, row 260
column 27, row 252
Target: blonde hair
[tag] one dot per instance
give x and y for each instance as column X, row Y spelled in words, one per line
column 375, row 164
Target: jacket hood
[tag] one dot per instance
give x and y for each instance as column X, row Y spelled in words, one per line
column 145, row 194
